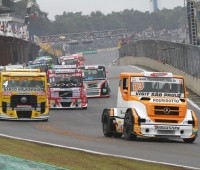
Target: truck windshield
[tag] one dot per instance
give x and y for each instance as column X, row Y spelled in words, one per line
column 63, row 81
column 70, row 62
column 157, row 86
column 94, row 74
column 42, row 67
column 23, row 85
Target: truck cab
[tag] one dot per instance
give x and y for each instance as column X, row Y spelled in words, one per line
column 66, row 88
column 95, row 80
column 151, row 104
column 74, row 59
column 23, row 95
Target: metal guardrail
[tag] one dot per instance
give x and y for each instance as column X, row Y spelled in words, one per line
column 184, row 57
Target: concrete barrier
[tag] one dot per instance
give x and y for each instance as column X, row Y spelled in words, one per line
column 192, row 83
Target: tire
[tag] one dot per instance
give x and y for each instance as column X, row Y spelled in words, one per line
column 45, row 120
column 189, row 140
column 128, row 126
column 106, row 124
column 84, row 108
column 117, row 135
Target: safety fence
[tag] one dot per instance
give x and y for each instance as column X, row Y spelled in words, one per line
column 179, row 55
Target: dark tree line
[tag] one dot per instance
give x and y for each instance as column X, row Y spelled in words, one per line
column 131, row 20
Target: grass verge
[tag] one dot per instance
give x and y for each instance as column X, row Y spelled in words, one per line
column 71, row 159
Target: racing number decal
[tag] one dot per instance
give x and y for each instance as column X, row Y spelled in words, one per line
column 5, row 83
column 138, row 86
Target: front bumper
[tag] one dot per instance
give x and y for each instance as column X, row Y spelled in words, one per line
column 166, row 130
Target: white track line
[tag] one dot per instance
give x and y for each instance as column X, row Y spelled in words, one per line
column 113, row 62
column 100, row 153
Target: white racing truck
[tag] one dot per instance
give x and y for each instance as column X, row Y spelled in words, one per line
column 95, row 81
column 151, row 104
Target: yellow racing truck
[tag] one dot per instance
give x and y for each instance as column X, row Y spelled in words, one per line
column 151, row 104
column 23, row 95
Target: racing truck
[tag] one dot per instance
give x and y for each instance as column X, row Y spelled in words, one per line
column 43, row 63
column 23, row 95
column 95, row 81
column 151, row 104
column 75, row 59
column 66, row 88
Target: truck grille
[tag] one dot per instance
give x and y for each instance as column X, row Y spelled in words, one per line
column 65, row 104
column 166, row 110
column 24, row 114
column 65, row 94
column 23, row 100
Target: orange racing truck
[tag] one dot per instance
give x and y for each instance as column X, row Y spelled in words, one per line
column 66, row 88
column 151, row 104
column 23, row 95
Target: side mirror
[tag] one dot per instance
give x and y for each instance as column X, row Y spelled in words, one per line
column 125, row 91
column 187, row 93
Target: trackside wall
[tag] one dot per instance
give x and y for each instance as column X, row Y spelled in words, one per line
column 180, row 59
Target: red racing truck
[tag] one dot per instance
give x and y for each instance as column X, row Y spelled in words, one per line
column 75, row 59
column 66, row 88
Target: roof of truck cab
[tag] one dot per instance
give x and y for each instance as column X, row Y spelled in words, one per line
column 149, row 74
column 23, row 73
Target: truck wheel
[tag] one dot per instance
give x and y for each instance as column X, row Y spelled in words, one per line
column 189, row 140
column 118, row 135
column 45, row 120
column 106, row 124
column 84, row 108
column 128, row 126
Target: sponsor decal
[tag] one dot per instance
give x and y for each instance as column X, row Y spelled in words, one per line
column 23, row 93
column 65, row 84
column 23, row 105
column 67, row 100
column 158, row 74
column 156, row 94
column 23, row 108
column 162, row 100
column 6, row 93
column 165, row 127
column 52, row 101
column 23, row 89
column 40, row 93
column 65, row 93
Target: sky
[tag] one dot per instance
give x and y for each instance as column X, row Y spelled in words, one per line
column 57, row 7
